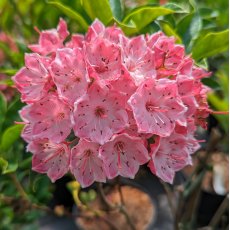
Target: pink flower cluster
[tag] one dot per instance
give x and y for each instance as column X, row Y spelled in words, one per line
column 127, row 101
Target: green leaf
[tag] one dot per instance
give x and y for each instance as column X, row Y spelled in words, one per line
column 3, row 165
column 98, row 9
column 3, row 108
column 218, row 103
column 189, row 29
column 142, row 16
column 7, row 167
column 7, row 82
column 210, row 45
column 117, row 9
column 212, row 83
column 10, row 136
column 127, row 29
column 12, row 112
column 71, row 13
column 169, row 31
column 178, row 8
column 207, row 13
column 10, row 72
column 12, row 167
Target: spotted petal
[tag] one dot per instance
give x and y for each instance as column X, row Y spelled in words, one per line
column 85, row 164
column 50, row 158
column 98, row 115
column 69, row 74
column 123, row 155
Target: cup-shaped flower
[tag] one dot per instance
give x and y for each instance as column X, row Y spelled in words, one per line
column 50, row 158
column 99, row 114
column 85, row 164
column 123, row 155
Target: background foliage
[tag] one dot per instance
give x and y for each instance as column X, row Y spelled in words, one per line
column 201, row 26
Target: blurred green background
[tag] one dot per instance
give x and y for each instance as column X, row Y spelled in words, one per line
column 202, row 26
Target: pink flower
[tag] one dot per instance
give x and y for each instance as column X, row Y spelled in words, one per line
column 75, row 42
column 125, row 87
column 50, row 158
column 85, row 164
column 203, row 110
column 49, row 118
column 104, row 59
column 169, row 155
column 123, row 155
column 187, row 89
column 97, row 29
column 98, row 115
column 33, row 80
column 69, row 74
column 132, row 129
column 138, row 59
column 156, row 106
column 51, row 40
column 168, row 56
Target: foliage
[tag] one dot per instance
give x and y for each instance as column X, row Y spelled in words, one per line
column 201, row 26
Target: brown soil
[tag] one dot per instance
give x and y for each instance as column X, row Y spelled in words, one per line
column 137, row 203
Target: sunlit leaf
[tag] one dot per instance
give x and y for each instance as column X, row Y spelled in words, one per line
column 178, row 8
column 117, row 8
column 71, row 13
column 10, row 72
column 211, row 44
column 98, row 9
column 142, row 16
column 10, row 135
column 3, row 107
column 11, row 167
column 127, row 29
column 169, row 31
column 3, row 165
column 189, row 28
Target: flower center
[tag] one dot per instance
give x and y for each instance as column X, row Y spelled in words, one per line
column 100, row 112
column 77, row 79
column 88, row 152
column 119, row 146
column 101, row 68
column 60, row 116
column 150, row 107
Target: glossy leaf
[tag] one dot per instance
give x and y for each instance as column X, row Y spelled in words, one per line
column 71, row 13
column 211, row 44
column 127, row 29
column 98, row 9
column 11, row 167
column 10, row 72
column 3, row 165
column 12, row 112
column 7, row 167
column 10, row 136
column 117, row 9
column 178, row 8
column 3, row 107
column 189, row 28
column 169, row 31
column 142, row 16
